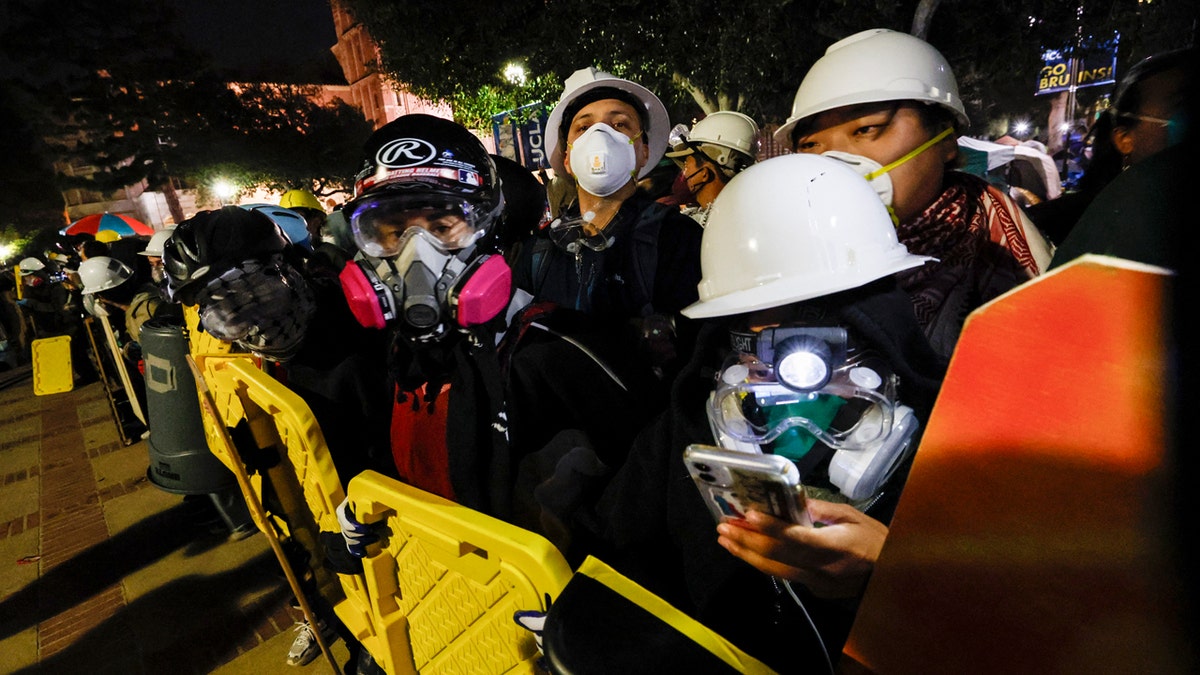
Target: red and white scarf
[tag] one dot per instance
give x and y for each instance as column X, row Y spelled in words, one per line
column 984, row 247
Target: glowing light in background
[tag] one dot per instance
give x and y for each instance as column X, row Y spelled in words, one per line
column 515, row 74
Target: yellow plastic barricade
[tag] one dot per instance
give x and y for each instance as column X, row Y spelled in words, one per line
column 304, row 484
column 200, row 342
column 447, row 581
column 52, row 372
column 604, row 622
column 1034, row 531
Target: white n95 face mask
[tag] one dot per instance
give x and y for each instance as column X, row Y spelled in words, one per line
column 603, row 160
column 877, row 174
column 868, row 168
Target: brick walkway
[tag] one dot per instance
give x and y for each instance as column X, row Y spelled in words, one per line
column 102, row 571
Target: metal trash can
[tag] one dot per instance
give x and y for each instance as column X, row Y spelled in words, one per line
column 180, row 461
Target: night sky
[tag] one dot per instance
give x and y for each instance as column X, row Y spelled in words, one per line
column 276, row 40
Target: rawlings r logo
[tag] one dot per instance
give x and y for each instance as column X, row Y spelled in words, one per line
column 405, row 152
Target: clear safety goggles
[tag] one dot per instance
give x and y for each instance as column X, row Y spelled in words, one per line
column 678, row 138
column 379, row 223
column 575, row 233
column 1156, row 121
column 679, row 141
column 799, row 385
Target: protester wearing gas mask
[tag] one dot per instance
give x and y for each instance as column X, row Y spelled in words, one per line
column 483, row 375
column 849, row 420
column 615, row 253
column 711, row 153
column 427, row 199
column 887, row 104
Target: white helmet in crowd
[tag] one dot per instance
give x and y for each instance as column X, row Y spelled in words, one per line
column 102, row 273
column 586, row 79
column 873, row 66
column 728, row 138
column 793, row 228
column 154, row 248
column 30, row 265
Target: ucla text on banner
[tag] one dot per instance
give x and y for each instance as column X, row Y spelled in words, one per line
column 522, row 142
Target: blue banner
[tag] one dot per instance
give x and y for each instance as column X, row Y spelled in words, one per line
column 1090, row 65
column 525, row 142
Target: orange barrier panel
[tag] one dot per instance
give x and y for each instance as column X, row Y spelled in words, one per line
column 1032, row 535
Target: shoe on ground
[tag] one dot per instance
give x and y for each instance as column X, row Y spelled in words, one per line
column 305, row 647
column 242, row 532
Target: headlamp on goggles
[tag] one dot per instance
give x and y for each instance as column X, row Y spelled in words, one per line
column 803, row 359
column 811, row 395
column 801, row 378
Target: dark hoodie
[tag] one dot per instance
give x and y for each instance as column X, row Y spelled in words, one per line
column 652, row 525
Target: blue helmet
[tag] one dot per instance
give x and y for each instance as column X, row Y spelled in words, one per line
column 291, row 222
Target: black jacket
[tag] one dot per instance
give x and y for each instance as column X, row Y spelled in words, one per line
column 652, row 525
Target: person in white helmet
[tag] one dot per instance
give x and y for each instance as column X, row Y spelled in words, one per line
column 112, row 287
column 153, row 254
column 887, row 104
column 799, row 258
column 711, row 153
column 42, row 299
column 615, row 253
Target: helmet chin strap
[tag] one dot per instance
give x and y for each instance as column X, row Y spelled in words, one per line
column 698, row 188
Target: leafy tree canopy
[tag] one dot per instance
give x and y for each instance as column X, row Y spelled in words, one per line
column 748, row 55
column 110, row 87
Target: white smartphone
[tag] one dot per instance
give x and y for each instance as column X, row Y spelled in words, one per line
column 733, row 482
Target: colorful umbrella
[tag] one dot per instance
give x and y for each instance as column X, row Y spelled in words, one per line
column 119, row 224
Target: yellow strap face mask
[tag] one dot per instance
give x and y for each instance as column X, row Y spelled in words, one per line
column 877, row 174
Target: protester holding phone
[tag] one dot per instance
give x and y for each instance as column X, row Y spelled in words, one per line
column 798, row 259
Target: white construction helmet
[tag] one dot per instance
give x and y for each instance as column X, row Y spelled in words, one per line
column 873, row 66
column 728, row 138
column 586, row 79
column 29, row 265
column 154, row 248
column 102, row 273
column 793, row 228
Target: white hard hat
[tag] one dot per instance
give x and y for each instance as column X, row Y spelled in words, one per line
column 157, row 240
column 586, row 79
column 873, row 66
column 722, row 135
column 31, row 265
column 102, row 273
column 793, row 228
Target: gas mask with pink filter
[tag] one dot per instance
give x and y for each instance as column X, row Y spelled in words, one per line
column 421, row 268
column 427, row 197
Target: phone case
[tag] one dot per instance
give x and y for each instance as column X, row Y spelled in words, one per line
column 732, row 482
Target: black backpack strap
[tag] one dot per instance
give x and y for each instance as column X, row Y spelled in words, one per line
column 645, row 253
